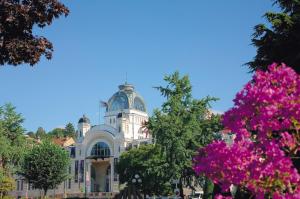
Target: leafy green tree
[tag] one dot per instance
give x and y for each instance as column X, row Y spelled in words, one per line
column 279, row 41
column 12, row 137
column 182, row 126
column 70, row 130
column 57, row 132
column 6, row 183
column 146, row 161
column 11, row 122
column 45, row 166
column 12, row 146
column 18, row 43
column 40, row 133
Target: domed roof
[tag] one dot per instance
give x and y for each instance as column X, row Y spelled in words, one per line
column 126, row 98
column 84, row 119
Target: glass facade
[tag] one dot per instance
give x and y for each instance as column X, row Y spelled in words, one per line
column 139, row 104
column 119, row 102
column 100, row 149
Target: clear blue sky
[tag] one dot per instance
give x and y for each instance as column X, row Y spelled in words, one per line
column 101, row 41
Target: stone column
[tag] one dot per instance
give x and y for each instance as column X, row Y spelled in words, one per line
column 112, row 167
column 88, row 164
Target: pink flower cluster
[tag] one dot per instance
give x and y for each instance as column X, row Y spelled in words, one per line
column 266, row 122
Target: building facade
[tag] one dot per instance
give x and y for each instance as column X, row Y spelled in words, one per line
column 97, row 148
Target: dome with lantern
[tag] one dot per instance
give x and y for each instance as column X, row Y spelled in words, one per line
column 126, row 98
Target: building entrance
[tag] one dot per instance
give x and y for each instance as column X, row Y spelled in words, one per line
column 100, row 176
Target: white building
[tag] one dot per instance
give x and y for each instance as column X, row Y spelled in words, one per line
column 97, row 148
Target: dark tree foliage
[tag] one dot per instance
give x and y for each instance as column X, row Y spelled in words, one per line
column 18, row 44
column 281, row 41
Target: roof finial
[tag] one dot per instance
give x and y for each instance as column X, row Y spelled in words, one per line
column 126, row 78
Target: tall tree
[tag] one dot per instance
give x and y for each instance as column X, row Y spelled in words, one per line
column 147, row 162
column 181, row 126
column 279, row 42
column 18, row 43
column 40, row 133
column 12, row 146
column 41, row 176
column 70, row 130
column 11, row 135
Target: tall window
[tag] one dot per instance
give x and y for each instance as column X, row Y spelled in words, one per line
column 76, row 171
column 81, row 170
column 69, row 180
column 100, row 149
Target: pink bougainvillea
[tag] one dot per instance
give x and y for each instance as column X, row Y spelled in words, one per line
column 266, row 121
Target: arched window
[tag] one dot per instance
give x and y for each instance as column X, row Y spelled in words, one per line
column 100, row 149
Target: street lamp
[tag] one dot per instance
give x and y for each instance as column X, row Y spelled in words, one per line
column 136, row 179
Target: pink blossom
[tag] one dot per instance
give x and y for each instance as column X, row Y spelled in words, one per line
column 266, row 121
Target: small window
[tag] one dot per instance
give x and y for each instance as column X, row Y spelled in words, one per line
column 73, row 152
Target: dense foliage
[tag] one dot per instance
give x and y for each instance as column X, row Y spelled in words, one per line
column 181, row 126
column 45, row 166
column 264, row 156
column 279, row 41
column 18, row 44
column 41, row 134
column 12, row 145
column 147, row 162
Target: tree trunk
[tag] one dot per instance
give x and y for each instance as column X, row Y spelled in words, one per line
column 181, row 188
column 45, row 192
column 296, row 161
column 208, row 189
column 217, row 190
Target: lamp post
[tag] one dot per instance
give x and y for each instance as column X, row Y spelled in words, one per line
column 136, row 179
column 176, row 190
